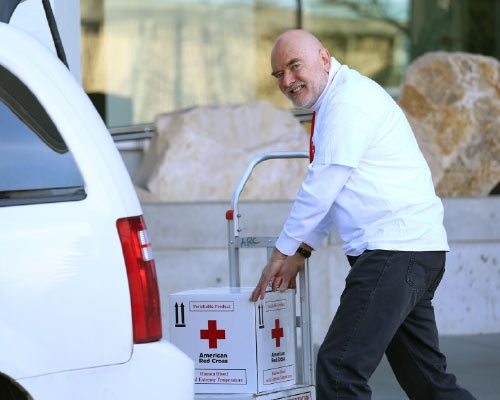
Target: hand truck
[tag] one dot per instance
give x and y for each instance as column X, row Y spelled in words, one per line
column 236, row 242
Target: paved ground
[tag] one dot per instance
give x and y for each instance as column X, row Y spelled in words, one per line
column 475, row 361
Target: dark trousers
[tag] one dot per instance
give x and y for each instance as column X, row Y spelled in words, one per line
column 386, row 308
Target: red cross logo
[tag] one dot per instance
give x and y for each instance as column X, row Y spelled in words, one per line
column 277, row 332
column 212, row 334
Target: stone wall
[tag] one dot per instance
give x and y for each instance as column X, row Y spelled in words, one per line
column 190, row 244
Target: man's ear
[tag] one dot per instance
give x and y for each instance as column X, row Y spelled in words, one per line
column 327, row 60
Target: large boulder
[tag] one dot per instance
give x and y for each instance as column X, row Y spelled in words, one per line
column 200, row 154
column 452, row 101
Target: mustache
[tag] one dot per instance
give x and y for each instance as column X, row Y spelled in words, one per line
column 291, row 88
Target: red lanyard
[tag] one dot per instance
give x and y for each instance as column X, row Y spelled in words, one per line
column 311, row 144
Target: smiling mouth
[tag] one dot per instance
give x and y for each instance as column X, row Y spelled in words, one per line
column 296, row 88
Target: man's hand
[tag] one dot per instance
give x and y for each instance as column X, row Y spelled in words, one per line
column 282, row 270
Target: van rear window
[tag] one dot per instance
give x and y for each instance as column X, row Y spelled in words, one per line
column 35, row 164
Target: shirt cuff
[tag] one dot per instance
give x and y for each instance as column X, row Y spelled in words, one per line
column 286, row 244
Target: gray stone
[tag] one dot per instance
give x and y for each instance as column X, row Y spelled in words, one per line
column 200, row 154
column 452, row 101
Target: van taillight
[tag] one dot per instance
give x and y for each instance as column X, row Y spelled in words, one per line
column 142, row 281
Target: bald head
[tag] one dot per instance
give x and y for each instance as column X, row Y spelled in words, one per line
column 299, row 39
column 301, row 65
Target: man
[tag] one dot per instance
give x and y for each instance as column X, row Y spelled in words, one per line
column 370, row 181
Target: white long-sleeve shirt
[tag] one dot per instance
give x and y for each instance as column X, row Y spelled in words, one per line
column 368, row 177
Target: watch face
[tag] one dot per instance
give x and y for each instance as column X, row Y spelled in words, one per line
column 304, row 252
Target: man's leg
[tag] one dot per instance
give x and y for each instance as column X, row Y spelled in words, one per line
column 374, row 303
column 414, row 353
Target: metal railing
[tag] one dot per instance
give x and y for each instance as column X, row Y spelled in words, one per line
column 134, row 132
column 146, row 131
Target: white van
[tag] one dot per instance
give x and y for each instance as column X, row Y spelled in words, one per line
column 79, row 304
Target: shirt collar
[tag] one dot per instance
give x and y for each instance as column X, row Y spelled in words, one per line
column 333, row 71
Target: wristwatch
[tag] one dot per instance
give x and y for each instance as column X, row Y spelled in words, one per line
column 304, row 252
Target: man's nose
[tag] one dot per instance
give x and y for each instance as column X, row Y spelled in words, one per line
column 288, row 79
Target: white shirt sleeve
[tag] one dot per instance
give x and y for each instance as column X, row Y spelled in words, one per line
column 310, row 220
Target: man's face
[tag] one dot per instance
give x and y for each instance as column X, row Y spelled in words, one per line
column 301, row 71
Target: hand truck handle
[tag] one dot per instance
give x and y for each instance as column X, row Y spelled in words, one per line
column 246, row 175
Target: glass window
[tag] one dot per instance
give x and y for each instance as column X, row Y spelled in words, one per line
column 154, row 56
column 471, row 26
column 35, row 164
column 143, row 58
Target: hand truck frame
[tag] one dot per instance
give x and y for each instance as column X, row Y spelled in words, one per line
column 236, row 242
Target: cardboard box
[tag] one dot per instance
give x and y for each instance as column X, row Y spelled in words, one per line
column 238, row 346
